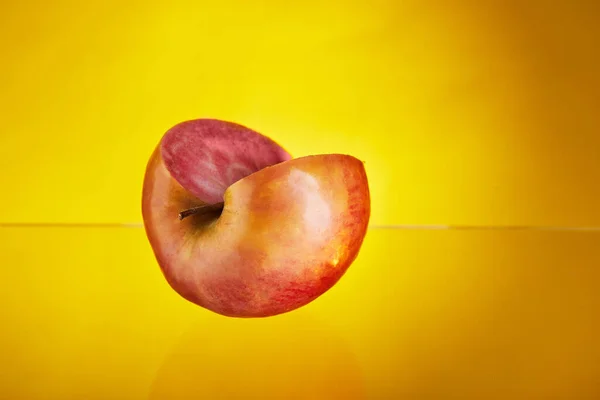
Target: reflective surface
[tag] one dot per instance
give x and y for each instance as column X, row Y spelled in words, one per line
column 421, row 315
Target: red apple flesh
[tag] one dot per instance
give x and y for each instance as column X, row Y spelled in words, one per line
column 242, row 229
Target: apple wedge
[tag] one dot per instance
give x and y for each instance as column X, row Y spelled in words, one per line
column 241, row 228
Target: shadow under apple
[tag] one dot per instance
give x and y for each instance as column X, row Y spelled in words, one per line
column 291, row 356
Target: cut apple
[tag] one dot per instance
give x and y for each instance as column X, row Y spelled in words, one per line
column 242, row 229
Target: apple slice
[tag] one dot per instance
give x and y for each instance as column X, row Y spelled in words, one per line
column 242, row 229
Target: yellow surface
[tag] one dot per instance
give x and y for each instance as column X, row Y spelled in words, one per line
column 420, row 315
column 465, row 113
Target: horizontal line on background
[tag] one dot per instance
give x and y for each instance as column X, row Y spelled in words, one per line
column 386, row 227
column 488, row 228
column 70, row 225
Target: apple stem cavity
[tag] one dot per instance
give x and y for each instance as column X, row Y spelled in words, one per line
column 205, row 209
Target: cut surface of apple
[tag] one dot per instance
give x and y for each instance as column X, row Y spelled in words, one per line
column 241, row 228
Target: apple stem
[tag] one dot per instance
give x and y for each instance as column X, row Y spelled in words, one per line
column 201, row 210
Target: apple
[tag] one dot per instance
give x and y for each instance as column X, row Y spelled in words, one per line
column 241, row 228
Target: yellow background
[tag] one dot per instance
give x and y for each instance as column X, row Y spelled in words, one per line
column 470, row 113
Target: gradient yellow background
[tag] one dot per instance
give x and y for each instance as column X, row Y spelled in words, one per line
column 471, row 113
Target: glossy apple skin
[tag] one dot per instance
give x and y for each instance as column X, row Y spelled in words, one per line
column 286, row 235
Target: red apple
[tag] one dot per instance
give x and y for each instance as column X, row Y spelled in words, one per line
column 242, row 229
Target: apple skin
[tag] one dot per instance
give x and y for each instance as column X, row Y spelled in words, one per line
column 287, row 232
